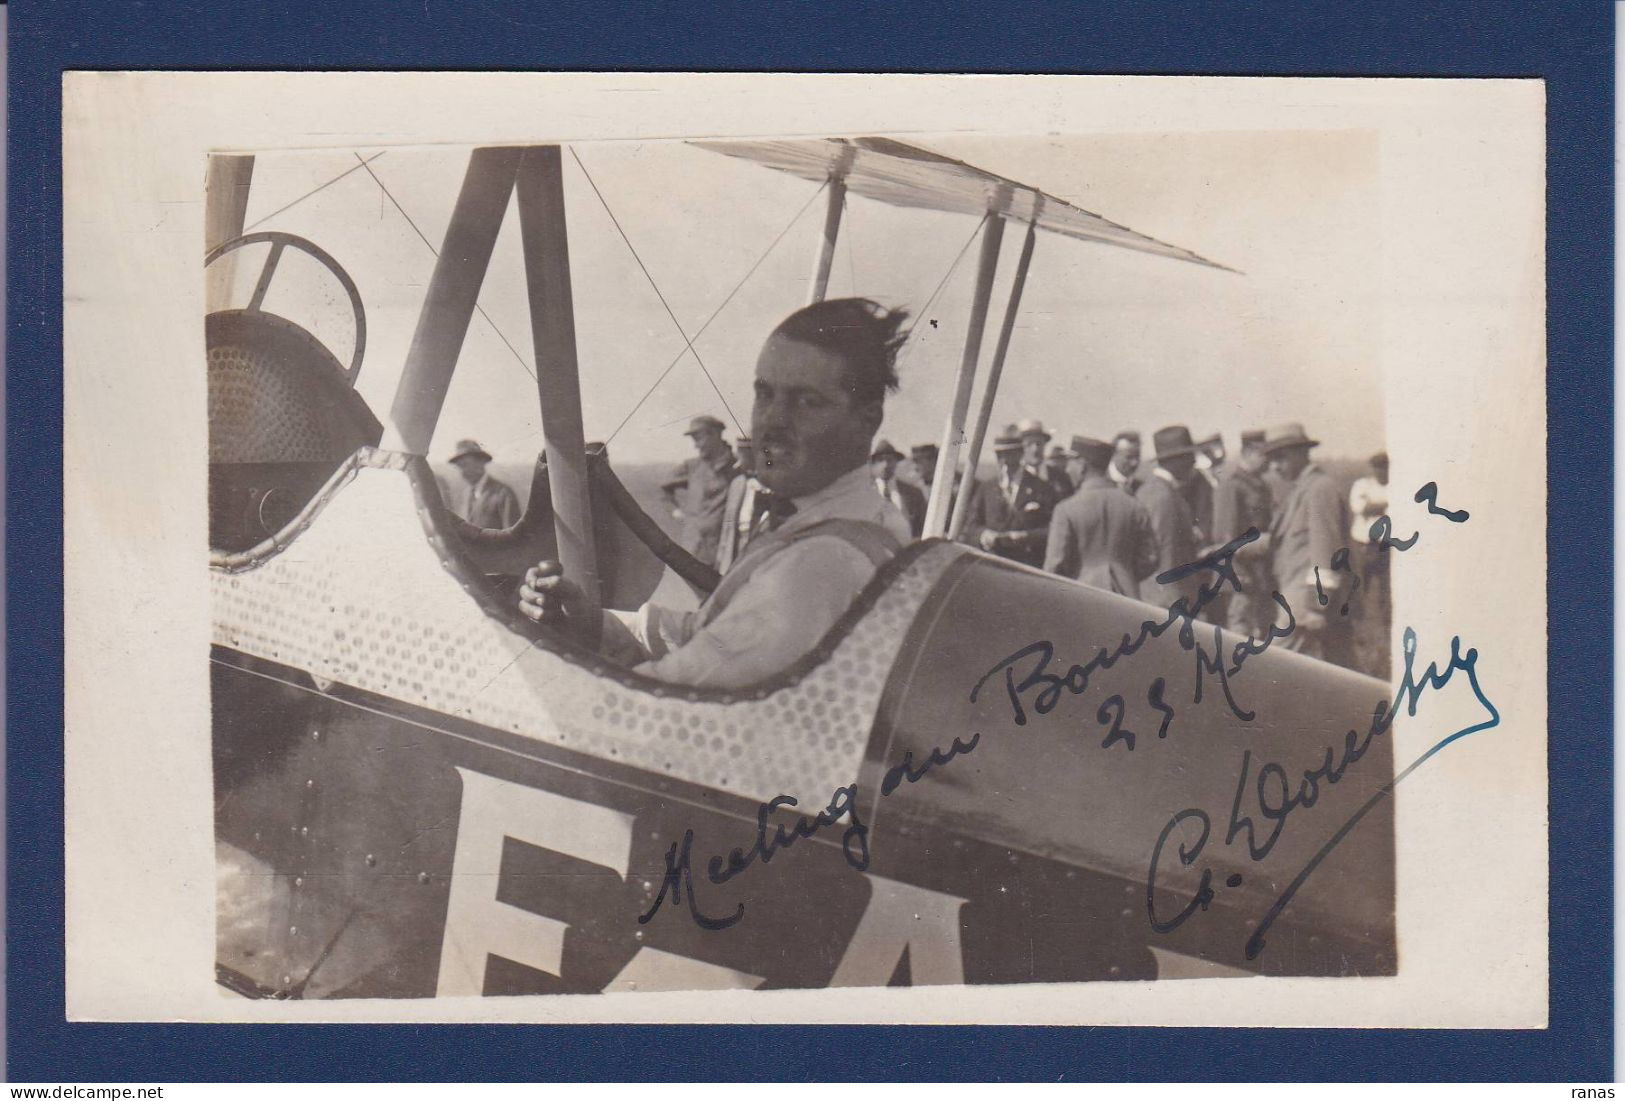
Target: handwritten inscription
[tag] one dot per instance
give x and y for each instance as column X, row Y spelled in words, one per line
column 1034, row 681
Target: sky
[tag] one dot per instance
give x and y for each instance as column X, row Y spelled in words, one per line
column 1105, row 338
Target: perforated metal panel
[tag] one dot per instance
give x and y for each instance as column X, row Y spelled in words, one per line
column 361, row 597
column 276, row 395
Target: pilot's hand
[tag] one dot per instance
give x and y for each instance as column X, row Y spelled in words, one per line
column 547, row 596
column 989, row 540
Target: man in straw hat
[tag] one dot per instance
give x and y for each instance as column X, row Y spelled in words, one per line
column 1242, row 501
column 821, row 384
column 1310, row 526
column 1100, row 535
column 698, row 488
column 481, row 499
column 1009, row 513
column 883, row 468
column 1164, row 496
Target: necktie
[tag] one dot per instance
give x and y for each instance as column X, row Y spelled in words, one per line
column 775, row 511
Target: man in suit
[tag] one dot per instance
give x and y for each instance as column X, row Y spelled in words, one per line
column 1241, row 501
column 1125, row 467
column 698, row 488
column 1173, row 522
column 1100, row 535
column 883, row 468
column 1009, row 514
column 481, row 499
column 1310, row 526
column 1033, row 438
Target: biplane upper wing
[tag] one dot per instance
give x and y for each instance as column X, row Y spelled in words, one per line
column 906, row 175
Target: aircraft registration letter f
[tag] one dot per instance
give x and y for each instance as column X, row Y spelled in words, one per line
column 477, row 924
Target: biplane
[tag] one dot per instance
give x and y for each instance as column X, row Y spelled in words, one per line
column 420, row 792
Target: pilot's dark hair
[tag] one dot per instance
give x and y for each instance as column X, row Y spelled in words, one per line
column 862, row 332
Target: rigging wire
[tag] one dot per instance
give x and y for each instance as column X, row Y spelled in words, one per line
column 929, row 302
column 714, row 313
column 500, row 336
column 686, row 339
column 322, row 187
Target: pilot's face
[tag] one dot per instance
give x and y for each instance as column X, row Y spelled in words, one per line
column 806, row 427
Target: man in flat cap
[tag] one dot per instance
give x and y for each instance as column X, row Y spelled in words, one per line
column 1009, row 513
column 821, row 383
column 1164, row 496
column 698, row 488
column 1242, row 501
column 883, row 468
column 1125, row 467
column 481, row 499
column 1310, row 526
column 1100, row 535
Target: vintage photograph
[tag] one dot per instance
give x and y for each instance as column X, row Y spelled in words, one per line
column 796, row 563
column 703, row 548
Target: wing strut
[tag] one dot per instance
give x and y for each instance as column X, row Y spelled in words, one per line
column 953, row 433
column 832, row 228
column 990, row 389
column 449, row 305
column 225, row 206
column 558, row 380
column 454, row 291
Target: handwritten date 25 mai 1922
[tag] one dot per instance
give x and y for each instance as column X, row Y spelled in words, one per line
column 1264, row 788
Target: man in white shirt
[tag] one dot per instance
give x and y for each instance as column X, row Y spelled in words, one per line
column 821, row 383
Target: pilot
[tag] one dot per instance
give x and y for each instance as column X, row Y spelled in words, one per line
column 821, row 383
